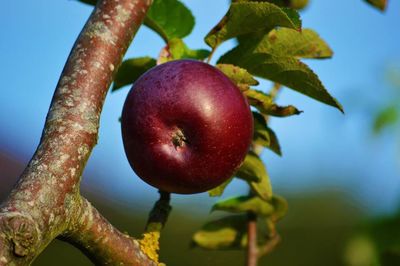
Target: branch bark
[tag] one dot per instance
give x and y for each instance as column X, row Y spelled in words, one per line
column 46, row 202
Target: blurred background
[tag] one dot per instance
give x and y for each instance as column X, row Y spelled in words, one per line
column 340, row 173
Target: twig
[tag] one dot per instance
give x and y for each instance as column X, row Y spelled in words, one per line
column 269, row 246
column 252, row 253
column 276, row 88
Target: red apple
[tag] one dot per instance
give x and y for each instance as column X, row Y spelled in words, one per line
column 186, row 127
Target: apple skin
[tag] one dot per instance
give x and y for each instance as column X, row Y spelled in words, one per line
column 186, row 127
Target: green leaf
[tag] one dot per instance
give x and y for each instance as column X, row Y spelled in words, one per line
column 263, row 188
column 239, row 76
column 226, row 233
column 131, row 69
column 280, row 207
column 294, row 17
column 263, row 102
column 247, row 17
column 252, row 169
column 284, row 70
column 380, row 4
column 89, row 2
column 218, row 191
column 296, row 4
column 170, row 19
column 386, row 117
column 245, row 204
column 262, row 57
column 288, row 42
column 177, row 49
column 263, row 135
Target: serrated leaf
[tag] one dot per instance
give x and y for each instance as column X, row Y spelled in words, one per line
column 252, row 169
column 177, row 49
column 380, row 4
column 386, row 117
column 245, row 204
column 131, row 69
column 255, row 55
column 284, row 70
column 288, row 42
column 265, row 136
column 170, row 19
column 225, row 233
column 239, row 76
column 246, row 17
column 218, row 191
column 294, row 17
column 263, row 102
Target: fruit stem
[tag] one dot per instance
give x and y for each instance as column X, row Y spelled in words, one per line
column 150, row 242
column 178, row 139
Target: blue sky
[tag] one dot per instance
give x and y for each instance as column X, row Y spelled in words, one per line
column 323, row 149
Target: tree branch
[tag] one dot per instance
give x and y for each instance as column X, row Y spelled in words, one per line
column 103, row 243
column 45, row 202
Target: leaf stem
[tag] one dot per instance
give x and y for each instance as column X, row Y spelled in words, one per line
column 211, row 54
column 252, row 253
column 275, row 90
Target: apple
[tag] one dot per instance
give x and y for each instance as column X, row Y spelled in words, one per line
column 186, row 127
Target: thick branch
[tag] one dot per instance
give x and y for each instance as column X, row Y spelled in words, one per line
column 103, row 243
column 43, row 203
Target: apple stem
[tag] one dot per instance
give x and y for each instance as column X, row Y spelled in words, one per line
column 161, row 209
column 178, row 139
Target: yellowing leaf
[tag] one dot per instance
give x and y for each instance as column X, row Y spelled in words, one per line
column 239, row 76
column 263, row 102
column 252, row 168
column 225, row 233
column 245, row 204
column 218, row 191
column 288, row 42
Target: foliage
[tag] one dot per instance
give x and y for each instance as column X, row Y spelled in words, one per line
column 266, row 51
column 271, row 44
